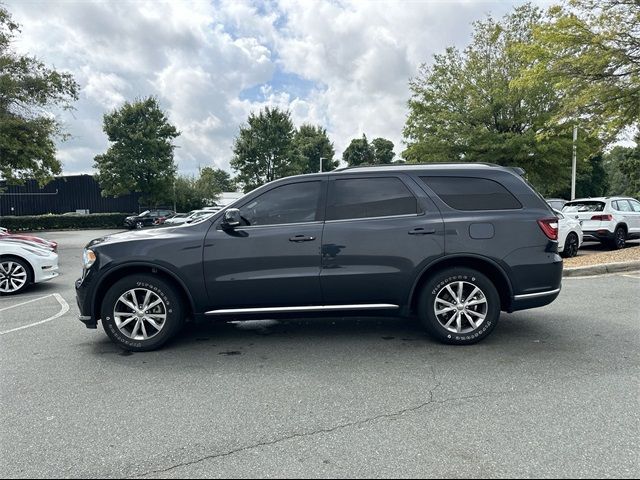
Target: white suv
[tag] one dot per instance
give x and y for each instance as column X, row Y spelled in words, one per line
column 569, row 235
column 610, row 220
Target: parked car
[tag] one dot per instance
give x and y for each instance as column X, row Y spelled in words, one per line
column 189, row 217
column 6, row 235
column 177, row 219
column 147, row 218
column 556, row 203
column 569, row 235
column 610, row 220
column 25, row 263
column 453, row 244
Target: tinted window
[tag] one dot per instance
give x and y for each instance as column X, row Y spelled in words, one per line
column 635, row 205
column 369, row 197
column 293, row 203
column 464, row 193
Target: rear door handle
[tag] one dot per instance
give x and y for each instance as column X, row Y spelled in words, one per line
column 302, row 238
column 422, row 231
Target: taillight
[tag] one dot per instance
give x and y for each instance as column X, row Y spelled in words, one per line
column 550, row 227
column 602, row 218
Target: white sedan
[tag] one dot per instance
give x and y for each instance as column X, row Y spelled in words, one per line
column 24, row 263
column 569, row 235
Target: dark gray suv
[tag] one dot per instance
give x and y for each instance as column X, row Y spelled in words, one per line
column 452, row 244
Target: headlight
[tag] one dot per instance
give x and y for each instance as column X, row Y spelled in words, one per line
column 88, row 258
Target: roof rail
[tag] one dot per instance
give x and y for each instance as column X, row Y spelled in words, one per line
column 411, row 165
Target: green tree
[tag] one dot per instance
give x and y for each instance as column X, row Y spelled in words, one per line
column 264, row 149
column 590, row 50
column 140, row 158
column 187, row 196
column 623, row 167
column 465, row 107
column 313, row 144
column 359, row 152
column 212, row 182
column 382, row 150
column 28, row 90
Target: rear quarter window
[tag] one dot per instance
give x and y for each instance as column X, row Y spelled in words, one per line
column 470, row 194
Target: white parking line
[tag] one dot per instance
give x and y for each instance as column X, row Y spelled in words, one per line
column 24, row 303
column 64, row 309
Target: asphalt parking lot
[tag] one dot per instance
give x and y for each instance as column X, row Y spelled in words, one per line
column 553, row 392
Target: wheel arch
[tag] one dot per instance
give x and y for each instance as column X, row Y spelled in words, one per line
column 485, row 265
column 31, row 272
column 116, row 273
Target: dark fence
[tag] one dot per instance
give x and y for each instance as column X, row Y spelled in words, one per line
column 62, row 195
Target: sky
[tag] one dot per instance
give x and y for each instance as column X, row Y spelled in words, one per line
column 344, row 65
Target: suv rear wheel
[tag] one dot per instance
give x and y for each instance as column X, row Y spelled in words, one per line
column 459, row 306
column 141, row 312
column 619, row 238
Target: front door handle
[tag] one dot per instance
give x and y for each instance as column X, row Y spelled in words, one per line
column 422, row 231
column 302, row 238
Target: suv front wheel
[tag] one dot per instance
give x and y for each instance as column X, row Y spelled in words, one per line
column 141, row 312
column 459, row 306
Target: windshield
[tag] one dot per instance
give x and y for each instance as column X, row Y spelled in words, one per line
column 584, row 206
column 144, row 214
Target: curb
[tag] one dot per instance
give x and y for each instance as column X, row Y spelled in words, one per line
column 602, row 269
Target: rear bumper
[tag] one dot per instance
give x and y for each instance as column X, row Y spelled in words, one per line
column 597, row 235
column 534, row 300
column 536, row 277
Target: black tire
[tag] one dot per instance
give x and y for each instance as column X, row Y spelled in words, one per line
column 171, row 306
column 436, row 288
column 138, row 225
column 571, row 246
column 8, row 268
column 619, row 239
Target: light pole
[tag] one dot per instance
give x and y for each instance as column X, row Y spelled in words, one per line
column 321, row 164
column 573, row 163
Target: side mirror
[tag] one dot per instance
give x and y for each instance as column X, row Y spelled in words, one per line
column 231, row 218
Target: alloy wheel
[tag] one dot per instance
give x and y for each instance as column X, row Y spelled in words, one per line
column 572, row 246
column 620, row 238
column 461, row 307
column 13, row 277
column 140, row 314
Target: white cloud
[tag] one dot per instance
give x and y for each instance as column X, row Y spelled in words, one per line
column 201, row 57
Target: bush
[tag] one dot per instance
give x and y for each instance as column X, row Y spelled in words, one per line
column 59, row 222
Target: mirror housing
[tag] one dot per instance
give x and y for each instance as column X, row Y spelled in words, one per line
column 231, row 219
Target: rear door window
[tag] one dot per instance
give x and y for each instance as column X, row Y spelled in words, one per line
column 468, row 193
column 355, row 198
column 624, row 206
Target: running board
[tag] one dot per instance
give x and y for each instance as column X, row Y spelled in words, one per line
column 314, row 308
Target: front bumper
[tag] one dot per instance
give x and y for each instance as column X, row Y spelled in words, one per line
column 45, row 267
column 84, row 299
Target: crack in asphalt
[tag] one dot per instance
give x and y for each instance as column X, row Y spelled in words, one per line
column 341, row 426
